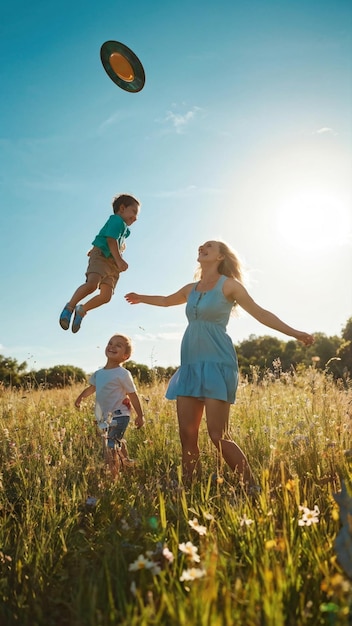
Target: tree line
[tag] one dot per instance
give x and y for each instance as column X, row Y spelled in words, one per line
column 255, row 354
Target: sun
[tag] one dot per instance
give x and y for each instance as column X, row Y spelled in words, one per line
column 313, row 220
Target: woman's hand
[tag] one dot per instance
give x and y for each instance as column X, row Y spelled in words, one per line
column 305, row 338
column 133, row 298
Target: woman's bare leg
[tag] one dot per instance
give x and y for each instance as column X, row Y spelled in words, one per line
column 189, row 413
column 217, row 414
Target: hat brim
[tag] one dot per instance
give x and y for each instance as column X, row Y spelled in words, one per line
column 123, row 66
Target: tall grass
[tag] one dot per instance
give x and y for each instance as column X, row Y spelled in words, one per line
column 125, row 559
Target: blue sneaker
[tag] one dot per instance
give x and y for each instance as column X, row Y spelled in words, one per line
column 77, row 320
column 65, row 318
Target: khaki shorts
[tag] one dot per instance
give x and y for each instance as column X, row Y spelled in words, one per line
column 105, row 267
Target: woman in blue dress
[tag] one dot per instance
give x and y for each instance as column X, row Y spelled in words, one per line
column 208, row 374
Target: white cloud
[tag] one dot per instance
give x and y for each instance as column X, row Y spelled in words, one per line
column 179, row 121
column 325, row 130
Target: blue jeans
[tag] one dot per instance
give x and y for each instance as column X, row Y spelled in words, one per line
column 117, row 430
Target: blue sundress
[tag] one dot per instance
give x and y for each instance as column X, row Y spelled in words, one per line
column 209, row 367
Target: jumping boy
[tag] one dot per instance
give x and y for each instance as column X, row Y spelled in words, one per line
column 105, row 262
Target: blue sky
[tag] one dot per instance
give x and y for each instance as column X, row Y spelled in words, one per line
column 242, row 132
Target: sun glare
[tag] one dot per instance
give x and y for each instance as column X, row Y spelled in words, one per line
column 314, row 221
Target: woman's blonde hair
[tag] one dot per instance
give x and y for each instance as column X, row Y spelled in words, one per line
column 230, row 266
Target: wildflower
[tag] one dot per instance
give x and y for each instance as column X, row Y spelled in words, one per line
column 59, row 434
column 277, row 544
column 209, row 516
column 140, row 563
column 309, row 517
column 337, row 584
column 192, row 574
column 190, row 550
column 201, row 530
column 245, row 521
column 290, row 485
column 168, row 554
column 155, row 569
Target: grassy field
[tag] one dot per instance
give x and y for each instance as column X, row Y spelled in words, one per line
column 77, row 548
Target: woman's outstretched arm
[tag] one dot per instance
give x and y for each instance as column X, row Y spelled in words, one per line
column 242, row 297
column 179, row 297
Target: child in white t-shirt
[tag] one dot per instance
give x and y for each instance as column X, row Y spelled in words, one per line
column 115, row 392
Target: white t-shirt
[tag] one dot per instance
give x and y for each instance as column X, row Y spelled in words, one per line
column 111, row 387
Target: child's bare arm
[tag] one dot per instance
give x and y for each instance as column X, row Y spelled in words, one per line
column 135, row 401
column 114, row 249
column 88, row 391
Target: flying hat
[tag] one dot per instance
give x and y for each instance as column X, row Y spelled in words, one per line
column 123, row 66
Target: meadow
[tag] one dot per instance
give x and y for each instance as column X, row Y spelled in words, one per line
column 79, row 549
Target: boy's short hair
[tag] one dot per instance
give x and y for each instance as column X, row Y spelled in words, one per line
column 128, row 344
column 125, row 199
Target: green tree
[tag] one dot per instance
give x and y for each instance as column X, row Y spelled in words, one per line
column 327, row 349
column 139, row 372
column 164, row 373
column 11, row 372
column 261, row 352
column 59, row 376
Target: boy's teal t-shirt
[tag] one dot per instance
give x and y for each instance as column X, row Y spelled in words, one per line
column 115, row 228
